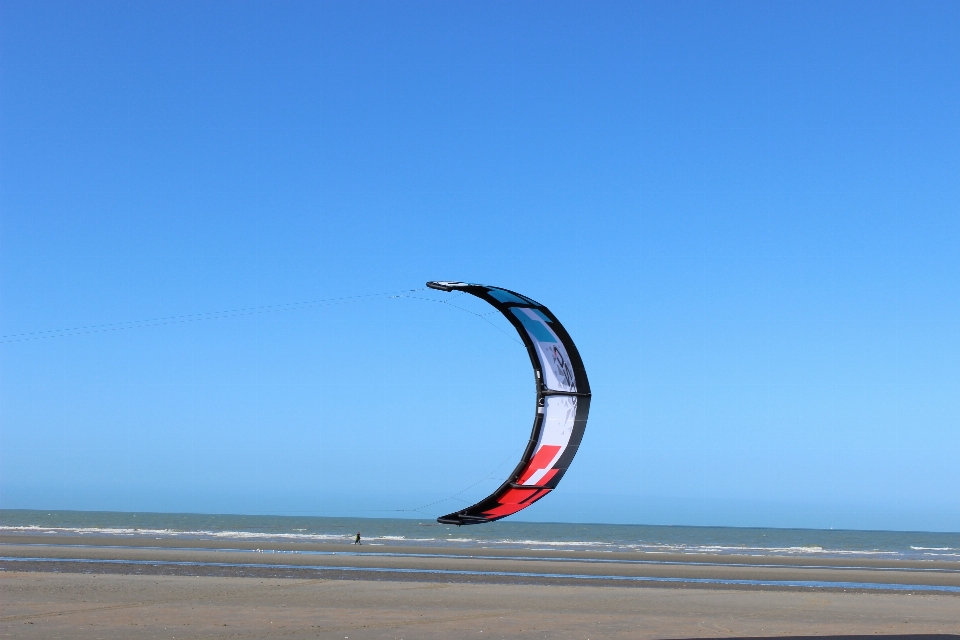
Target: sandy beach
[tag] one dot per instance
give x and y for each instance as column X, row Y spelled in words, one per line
column 105, row 587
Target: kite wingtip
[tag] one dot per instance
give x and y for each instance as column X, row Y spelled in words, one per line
column 443, row 285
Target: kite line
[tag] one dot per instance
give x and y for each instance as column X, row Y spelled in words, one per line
column 197, row 317
column 482, row 316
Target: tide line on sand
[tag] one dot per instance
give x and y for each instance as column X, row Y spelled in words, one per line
column 467, row 556
column 808, row 584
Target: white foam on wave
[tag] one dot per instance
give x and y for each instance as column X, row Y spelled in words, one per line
column 300, row 535
column 404, row 538
column 306, row 537
column 714, row 549
column 556, row 543
column 200, row 533
column 129, row 531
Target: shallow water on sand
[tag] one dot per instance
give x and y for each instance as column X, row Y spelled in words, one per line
column 505, row 535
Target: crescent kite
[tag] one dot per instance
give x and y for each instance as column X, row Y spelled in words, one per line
column 563, row 402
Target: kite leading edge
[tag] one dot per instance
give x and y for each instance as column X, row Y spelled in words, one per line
column 563, row 402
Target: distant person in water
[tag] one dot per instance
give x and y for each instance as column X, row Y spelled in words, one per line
column 357, row 541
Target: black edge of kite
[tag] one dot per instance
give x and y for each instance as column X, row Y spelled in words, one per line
column 462, row 517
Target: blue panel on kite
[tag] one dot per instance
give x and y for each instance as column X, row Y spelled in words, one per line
column 501, row 295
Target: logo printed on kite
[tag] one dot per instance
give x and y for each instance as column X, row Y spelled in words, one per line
column 562, row 369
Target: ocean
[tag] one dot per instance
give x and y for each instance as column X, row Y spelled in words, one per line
column 892, row 545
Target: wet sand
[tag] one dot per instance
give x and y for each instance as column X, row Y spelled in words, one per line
column 86, row 587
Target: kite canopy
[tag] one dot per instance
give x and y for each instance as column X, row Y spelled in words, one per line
column 563, row 401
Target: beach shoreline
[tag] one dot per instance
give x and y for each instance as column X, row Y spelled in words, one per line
column 398, row 562
column 274, row 545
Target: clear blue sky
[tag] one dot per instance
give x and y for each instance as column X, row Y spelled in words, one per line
column 746, row 214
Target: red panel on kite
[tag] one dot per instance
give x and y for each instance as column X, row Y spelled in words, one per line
column 540, row 461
